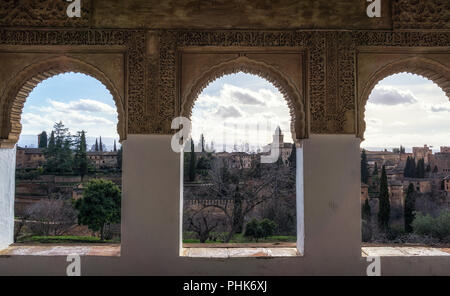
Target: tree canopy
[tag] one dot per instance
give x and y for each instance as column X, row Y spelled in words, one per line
column 100, row 205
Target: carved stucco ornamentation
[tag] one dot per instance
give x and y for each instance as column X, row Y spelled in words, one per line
column 425, row 67
column 170, row 41
column 421, row 14
column 151, row 100
column 271, row 74
column 22, row 84
column 135, row 119
column 40, row 13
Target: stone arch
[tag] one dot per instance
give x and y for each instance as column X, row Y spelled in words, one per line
column 424, row 67
column 23, row 83
column 243, row 64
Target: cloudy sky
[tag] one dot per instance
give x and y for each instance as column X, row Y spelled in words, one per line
column 409, row 110
column 79, row 101
column 239, row 109
column 403, row 109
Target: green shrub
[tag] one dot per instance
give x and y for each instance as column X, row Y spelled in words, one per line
column 442, row 226
column 267, row 227
column 438, row 227
column 253, row 230
column 395, row 231
column 260, row 229
column 61, row 239
column 423, row 224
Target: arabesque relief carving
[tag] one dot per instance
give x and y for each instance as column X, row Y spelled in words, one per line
column 151, row 101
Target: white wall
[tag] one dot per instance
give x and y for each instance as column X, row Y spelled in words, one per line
column 152, row 212
column 151, row 221
column 7, row 186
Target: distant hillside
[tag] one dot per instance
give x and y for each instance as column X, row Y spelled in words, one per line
column 31, row 141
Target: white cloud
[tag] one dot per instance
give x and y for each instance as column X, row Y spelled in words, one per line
column 35, row 120
column 440, row 108
column 247, row 98
column 382, row 95
column 94, row 117
column 83, row 105
column 404, row 121
column 226, row 112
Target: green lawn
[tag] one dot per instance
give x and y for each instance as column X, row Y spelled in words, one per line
column 63, row 239
column 241, row 239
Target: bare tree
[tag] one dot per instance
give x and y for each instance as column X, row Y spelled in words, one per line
column 19, row 225
column 51, row 216
column 201, row 222
column 241, row 190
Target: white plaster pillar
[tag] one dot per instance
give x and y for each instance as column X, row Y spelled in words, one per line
column 150, row 200
column 300, row 199
column 7, row 186
column 331, row 168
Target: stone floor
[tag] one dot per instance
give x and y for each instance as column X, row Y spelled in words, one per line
column 62, row 250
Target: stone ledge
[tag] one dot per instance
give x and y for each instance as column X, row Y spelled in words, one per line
column 110, row 250
column 237, row 252
column 403, row 251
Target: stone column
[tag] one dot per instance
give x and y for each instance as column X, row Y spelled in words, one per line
column 7, row 186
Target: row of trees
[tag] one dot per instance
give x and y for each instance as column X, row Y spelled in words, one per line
column 65, row 153
column 413, row 170
column 384, row 211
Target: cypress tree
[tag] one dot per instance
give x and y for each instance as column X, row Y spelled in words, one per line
column 51, row 142
column 115, row 148
column 100, row 145
column 420, row 169
column 407, row 167
column 366, row 211
column 50, row 154
column 293, row 158
column 192, row 163
column 43, row 140
column 412, row 168
column 364, row 167
column 435, row 169
column 384, row 203
column 409, row 208
column 81, row 160
column 375, row 170
column 202, row 142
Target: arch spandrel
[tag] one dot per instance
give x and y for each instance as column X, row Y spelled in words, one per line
column 243, row 64
column 21, row 85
